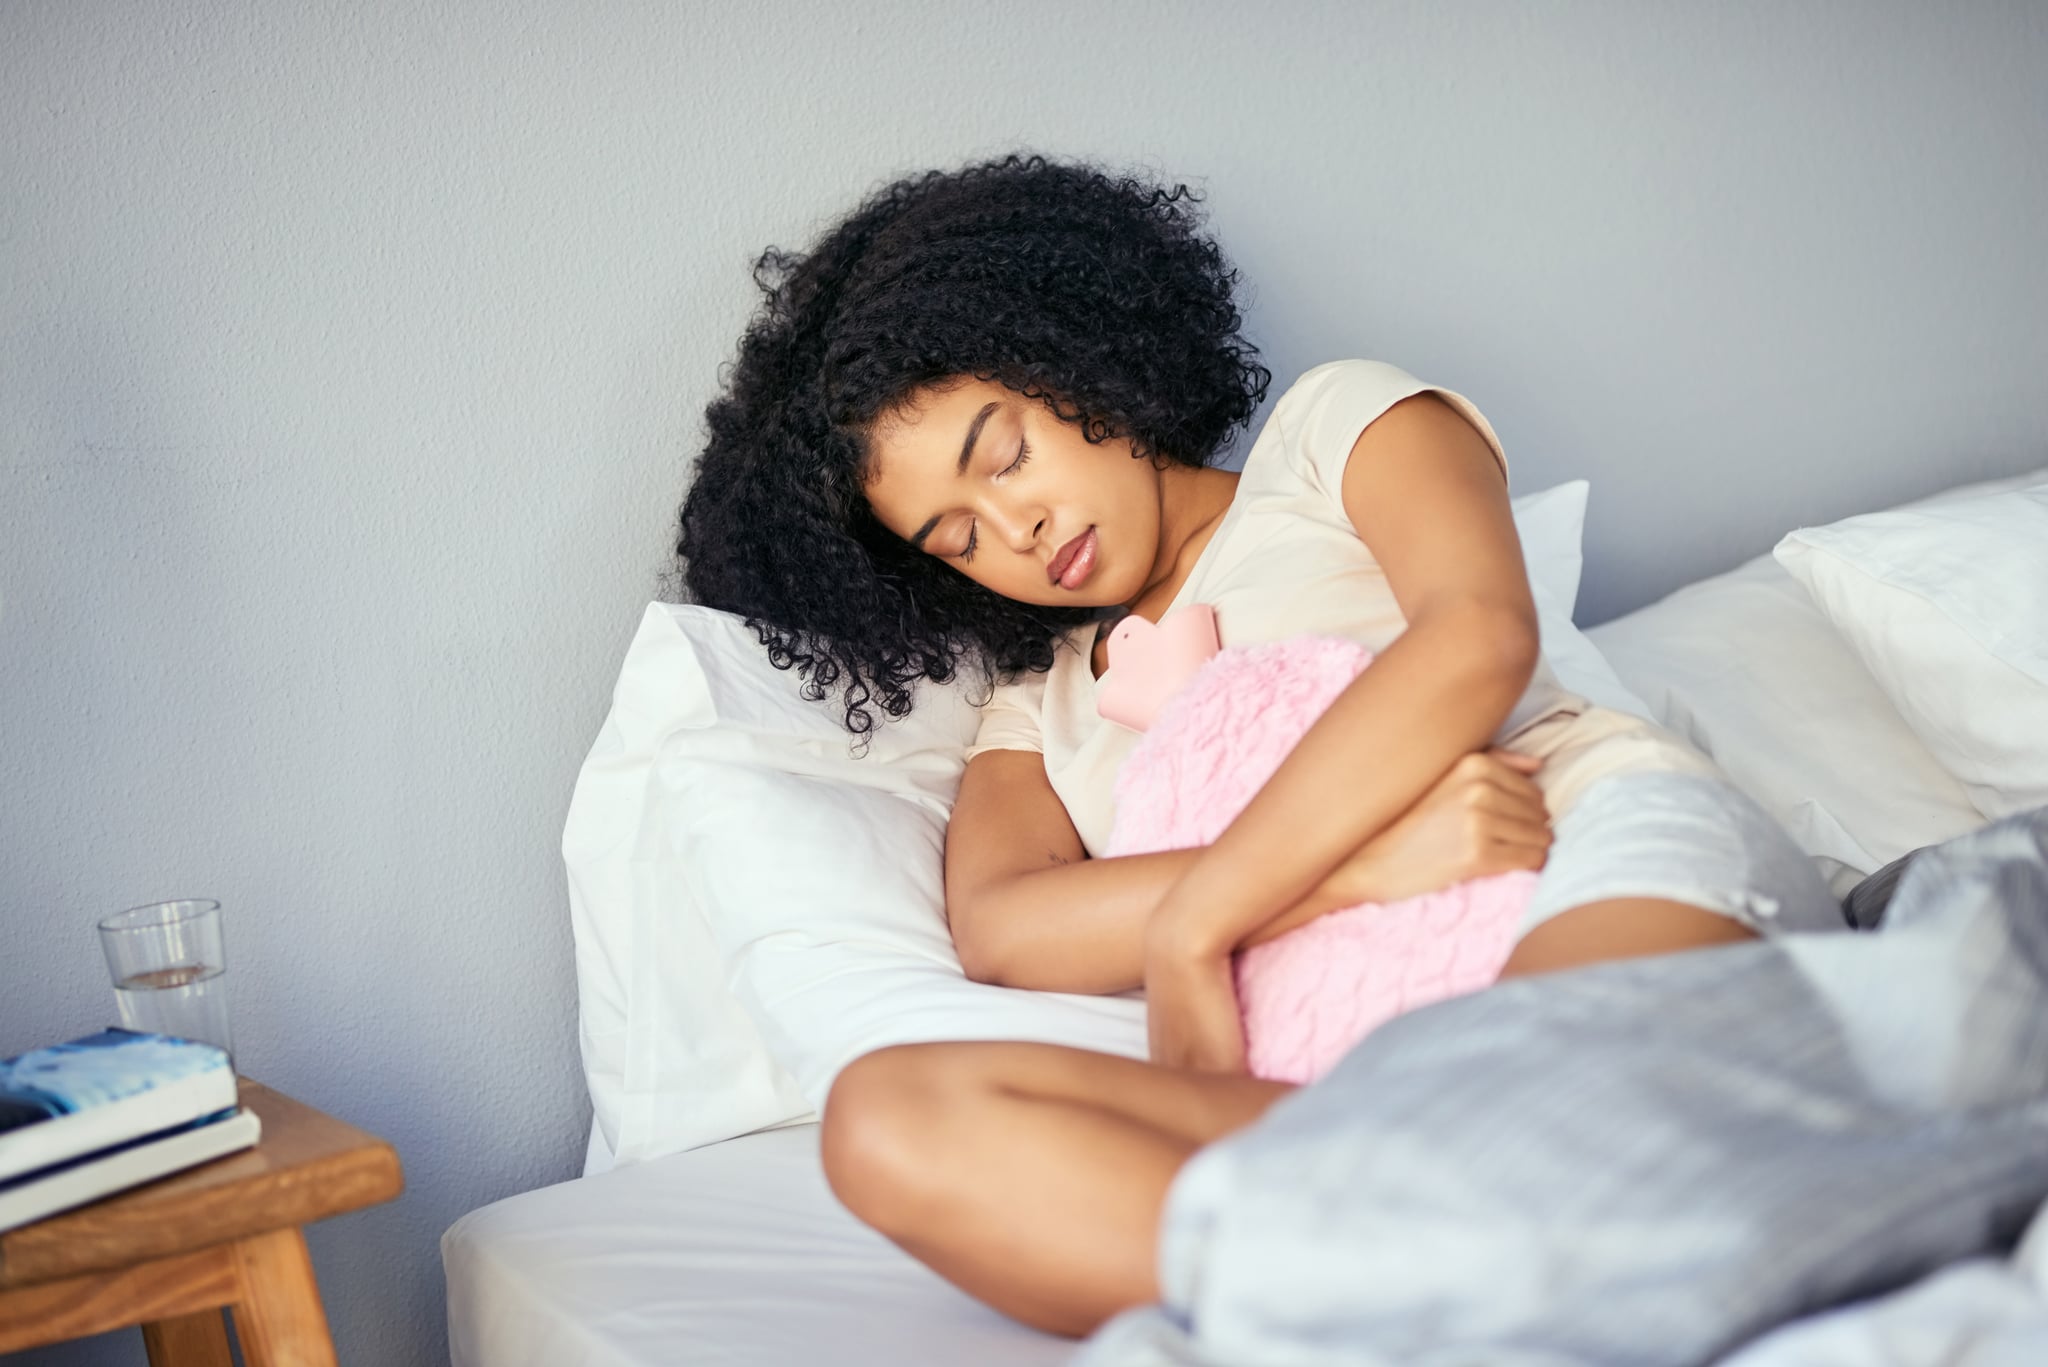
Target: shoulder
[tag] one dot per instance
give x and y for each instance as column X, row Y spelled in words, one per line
column 1319, row 418
column 1013, row 718
column 1070, row 649
column 1352, row 382
column 1354, row 376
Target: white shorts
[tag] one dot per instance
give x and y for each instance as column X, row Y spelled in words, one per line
column 1688, row 837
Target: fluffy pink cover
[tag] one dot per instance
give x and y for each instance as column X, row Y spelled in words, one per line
column 1311, row 994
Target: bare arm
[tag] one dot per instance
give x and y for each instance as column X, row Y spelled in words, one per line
column 1428, row 498
column 1028, row 908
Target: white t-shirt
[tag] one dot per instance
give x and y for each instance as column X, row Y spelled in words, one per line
column 1284, row 561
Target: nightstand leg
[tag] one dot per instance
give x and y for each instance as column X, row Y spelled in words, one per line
column 196, row 1340
column 278, row 1317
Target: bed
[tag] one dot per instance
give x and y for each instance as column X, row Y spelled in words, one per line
column 735, row 1252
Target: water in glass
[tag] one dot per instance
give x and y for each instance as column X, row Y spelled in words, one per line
column 186, row 1000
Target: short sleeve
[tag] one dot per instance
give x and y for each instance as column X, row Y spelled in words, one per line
column 1322, row 413
column 1013, row 717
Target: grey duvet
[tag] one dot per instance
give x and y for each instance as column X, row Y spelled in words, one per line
column 1811, row 1150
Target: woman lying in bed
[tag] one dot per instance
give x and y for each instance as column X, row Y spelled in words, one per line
column 971, row 428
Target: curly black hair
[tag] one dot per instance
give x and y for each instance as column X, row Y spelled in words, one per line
column 1095, row 293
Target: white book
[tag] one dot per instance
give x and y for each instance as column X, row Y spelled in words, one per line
column 88, row 1179
column 106, row 1089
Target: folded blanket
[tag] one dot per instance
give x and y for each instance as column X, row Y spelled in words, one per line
column 1647, row 1162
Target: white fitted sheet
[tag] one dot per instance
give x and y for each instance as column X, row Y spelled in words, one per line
column 736, row 1255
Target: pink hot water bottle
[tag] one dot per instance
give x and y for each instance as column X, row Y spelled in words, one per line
column 1217, row 723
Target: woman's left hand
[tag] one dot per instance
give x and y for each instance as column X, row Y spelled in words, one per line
column 1191, row 1010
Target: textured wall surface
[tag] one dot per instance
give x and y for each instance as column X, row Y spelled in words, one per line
column 351, row 355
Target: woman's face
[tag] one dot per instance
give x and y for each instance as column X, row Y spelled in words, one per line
column 946, row 476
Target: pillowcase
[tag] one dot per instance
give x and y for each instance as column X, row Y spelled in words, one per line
column 827, row 902
column 1551, row 524
column 1747, row 669
column 1947, row 606
column 671, row 1059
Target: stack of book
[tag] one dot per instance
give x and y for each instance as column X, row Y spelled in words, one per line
column 79, row 1121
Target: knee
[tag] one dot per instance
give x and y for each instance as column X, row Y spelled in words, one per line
column 880, row 1135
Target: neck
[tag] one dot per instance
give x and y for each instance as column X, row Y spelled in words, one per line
column 1191, row 502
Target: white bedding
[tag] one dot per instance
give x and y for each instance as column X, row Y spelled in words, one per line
column 738, row 1255
column 735, row 1255
column 1745, row 667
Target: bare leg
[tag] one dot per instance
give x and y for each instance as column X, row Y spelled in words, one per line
column 1031, row 1176
column 1621, row 928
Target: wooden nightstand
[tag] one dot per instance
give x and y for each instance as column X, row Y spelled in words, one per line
column 172, row 1255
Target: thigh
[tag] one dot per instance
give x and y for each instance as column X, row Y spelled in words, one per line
column 1621, row 928
column 1029, row 1175
column 1652, row 862
column 1190, row 1106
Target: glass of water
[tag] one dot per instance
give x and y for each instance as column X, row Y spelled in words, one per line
column 170, row 969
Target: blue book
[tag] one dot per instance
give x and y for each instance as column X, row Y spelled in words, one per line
column 74, row 1183
column 69, row 1100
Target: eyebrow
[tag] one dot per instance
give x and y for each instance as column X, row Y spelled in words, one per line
column 966, row 455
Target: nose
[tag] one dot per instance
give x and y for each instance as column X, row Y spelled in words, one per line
column 1021, row 528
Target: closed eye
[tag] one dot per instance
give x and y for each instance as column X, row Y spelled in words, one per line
column 974, row 529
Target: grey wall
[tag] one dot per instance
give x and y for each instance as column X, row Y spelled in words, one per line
column 351, row 355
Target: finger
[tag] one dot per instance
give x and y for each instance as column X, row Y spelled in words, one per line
column 1500, row 857
column 1521, row 826
column 1519, row 833
column 1514, row 859
column 1520, row 804
column 1514, row 759
column 1513, row 802
column 1492, row 766
column 1526, row 796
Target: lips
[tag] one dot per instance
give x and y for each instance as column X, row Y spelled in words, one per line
column 1065, row 557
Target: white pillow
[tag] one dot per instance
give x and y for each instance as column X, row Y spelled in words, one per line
column 671, row 1059
column 1551, row 524
column 827, row 902
column 1947, row 606
column 722, row 840
column 1746, row 668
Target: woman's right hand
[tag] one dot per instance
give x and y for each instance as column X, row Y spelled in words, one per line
column 1485, row 816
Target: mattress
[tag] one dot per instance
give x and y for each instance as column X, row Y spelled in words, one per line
column 736, row 1255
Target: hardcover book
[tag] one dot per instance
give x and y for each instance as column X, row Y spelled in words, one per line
column 50, row 1190
column 70, row 1100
